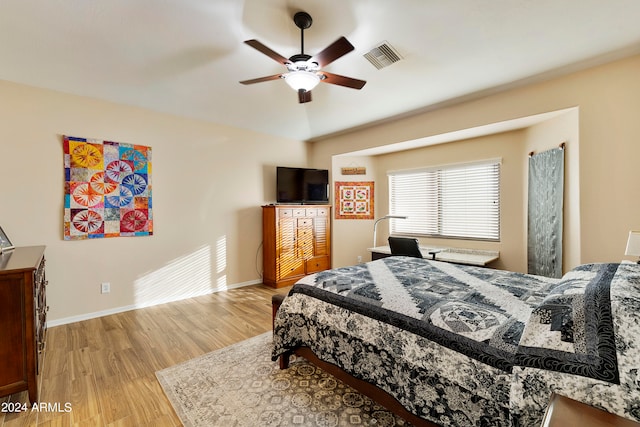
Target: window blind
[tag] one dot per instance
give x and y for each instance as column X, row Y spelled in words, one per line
column 460, row 201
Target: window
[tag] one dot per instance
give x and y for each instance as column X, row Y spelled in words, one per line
column 461, row 201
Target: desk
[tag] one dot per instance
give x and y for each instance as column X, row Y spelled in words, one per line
column 455, row 255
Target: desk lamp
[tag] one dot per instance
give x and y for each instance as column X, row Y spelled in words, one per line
column 375, row 224
column 633, row 244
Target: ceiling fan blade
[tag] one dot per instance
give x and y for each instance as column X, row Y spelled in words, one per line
column 270, row 53
column 261, row 79
column 332, row 52
column 337, row 79
column 304, row 96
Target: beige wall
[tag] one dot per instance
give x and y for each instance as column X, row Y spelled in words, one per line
column 354, row 236
column 508, row 148
column 209, row 182
column 603, row 206
column 512, row 149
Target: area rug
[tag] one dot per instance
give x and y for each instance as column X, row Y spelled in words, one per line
column 240, row 386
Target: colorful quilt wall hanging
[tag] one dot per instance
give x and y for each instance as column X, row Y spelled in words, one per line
column 107, row 189
column 354, row 200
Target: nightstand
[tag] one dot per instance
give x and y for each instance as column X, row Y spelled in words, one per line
column 565, row 412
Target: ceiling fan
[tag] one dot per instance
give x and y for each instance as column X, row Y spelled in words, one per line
column 304, row 70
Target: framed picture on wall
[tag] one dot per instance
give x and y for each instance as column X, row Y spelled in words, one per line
column 5, row 243
column 354, row 200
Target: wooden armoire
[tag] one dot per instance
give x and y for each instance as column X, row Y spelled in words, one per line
column 296, row 242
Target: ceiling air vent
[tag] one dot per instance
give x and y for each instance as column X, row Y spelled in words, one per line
column 382, row 55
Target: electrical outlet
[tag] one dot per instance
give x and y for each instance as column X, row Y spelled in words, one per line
column 359, row 259
column 105, row 287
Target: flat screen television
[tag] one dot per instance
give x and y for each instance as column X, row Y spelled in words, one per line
column 302, row 185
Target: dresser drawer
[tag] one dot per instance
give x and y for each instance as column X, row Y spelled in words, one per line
column 305, row 222
column 318, row 263
column 290, row 268
column 299, row 212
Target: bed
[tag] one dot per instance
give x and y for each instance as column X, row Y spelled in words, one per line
column 459, row 345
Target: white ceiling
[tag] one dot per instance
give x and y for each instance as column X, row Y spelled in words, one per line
column 185, row 57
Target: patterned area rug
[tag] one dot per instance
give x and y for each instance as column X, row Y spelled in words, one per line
column 240, row 386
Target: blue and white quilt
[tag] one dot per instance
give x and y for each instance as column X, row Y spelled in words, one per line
column 461, row 345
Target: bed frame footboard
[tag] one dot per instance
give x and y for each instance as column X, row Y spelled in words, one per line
column 364, row 387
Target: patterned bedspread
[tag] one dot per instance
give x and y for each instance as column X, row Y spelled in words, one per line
column 459, row 345
column 583, row 342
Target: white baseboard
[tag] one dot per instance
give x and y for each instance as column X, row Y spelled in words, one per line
column 95, row 314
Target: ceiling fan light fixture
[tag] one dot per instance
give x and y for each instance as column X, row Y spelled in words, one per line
column 306, row 80
column 304, row 72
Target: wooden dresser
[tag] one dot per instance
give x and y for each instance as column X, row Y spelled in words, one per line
column 23, row 316
column 296, row 242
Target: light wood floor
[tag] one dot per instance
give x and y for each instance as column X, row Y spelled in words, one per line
column 105, row 368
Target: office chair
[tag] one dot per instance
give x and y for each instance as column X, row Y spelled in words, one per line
column 404, row 246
